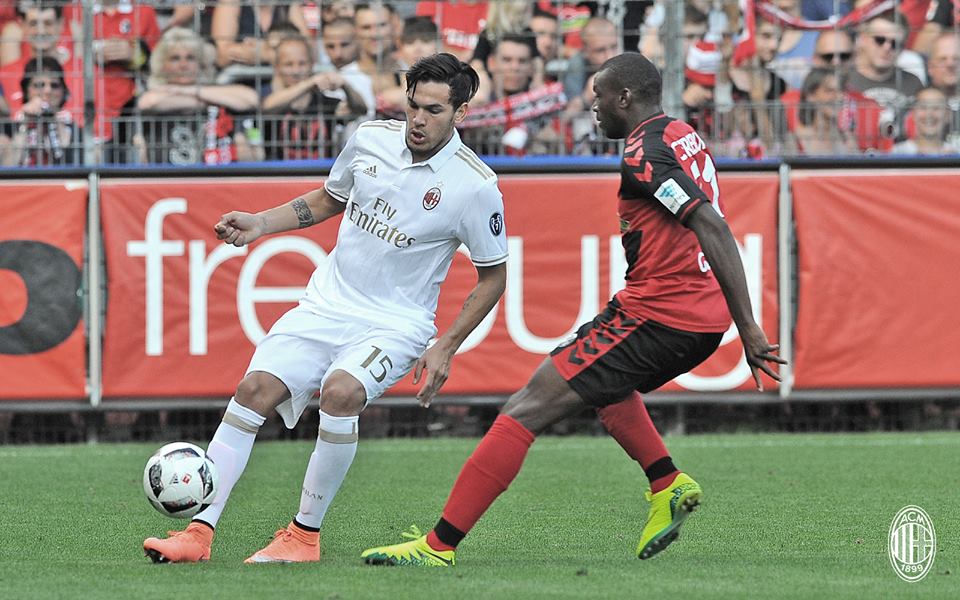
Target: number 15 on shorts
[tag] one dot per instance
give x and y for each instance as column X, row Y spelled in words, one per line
column 379, row 369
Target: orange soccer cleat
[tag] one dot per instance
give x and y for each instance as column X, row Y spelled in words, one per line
column 189, row 545
column 288, row 546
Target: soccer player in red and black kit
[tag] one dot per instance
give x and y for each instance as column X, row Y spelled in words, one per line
column 684, row 282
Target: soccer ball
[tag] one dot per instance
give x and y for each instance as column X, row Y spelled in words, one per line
column 180, row 480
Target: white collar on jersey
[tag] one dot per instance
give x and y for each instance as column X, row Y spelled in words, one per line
column 437, row 160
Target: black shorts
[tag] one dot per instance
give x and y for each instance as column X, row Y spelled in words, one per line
column 615, row 354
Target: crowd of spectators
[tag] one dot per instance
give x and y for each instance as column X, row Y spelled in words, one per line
column 244, row 80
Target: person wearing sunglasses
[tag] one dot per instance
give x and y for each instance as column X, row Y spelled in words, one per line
column 834, row 51
column 43, row 37
column 876, row 74
column 834, row 48
column 42, row 133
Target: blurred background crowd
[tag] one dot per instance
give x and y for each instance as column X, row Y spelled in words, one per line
column 277, row 80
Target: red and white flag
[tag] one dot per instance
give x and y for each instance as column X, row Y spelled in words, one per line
column 746, row 40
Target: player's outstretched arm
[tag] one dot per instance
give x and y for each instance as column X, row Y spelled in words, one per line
column 240, row 228
column 720, row 248
column 491, row 282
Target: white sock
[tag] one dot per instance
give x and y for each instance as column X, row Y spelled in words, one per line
column 329, row 463
column 230, row 449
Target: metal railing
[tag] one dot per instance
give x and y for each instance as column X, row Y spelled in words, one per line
column 729, row 125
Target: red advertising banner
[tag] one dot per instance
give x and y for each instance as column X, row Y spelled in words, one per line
column 878, row 260
column 42, row 346
column 185, row 310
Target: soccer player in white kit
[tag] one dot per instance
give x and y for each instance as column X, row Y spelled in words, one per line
column 410, row 194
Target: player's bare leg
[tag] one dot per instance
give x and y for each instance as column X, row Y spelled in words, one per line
column 545, row 400
column 341, row 401
column 257, row 395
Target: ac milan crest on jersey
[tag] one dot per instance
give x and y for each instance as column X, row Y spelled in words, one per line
column 431, row 199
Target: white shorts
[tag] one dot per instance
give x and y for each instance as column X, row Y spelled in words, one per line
column 304, row 347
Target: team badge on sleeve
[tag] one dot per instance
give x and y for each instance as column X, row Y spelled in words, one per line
column 431, row 199
column 496, row 224
column 671, row 195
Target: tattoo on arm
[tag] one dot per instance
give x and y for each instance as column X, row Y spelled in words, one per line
column 470, row 300
column 304, row 216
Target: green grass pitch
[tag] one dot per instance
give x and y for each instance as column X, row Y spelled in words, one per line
column 784, row 516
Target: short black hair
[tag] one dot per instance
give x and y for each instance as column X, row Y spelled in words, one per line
column 523, row 39
column 418, row 28
column 46, row 65
column 635, row 72
column 445, row 68
column 23, row 7
column 374, row 5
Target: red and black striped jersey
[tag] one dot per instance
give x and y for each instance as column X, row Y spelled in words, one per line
column 667, row 173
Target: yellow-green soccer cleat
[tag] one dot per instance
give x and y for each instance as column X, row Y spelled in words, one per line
column 669, row 508
column 416, row 552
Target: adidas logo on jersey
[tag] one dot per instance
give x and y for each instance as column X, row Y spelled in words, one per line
column 371, row 171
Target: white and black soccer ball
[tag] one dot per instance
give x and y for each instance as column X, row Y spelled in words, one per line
column 180, row 480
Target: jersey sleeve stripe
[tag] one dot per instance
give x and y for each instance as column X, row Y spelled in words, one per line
column 391, row 125
column 489, row 262
column 378, row 126
column 474, row 164
column 469, row 155
column 336, row 195
column 684, row 214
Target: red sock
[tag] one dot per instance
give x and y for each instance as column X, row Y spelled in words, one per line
column 486, row 474
column 630, row 424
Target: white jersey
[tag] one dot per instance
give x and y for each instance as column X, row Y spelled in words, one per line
column 401, row 226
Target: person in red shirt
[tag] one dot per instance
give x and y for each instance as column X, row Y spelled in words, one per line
column 42, row 133
column 859, row 115
column 460, row 24
column 124, row 34
column 42, row 27
column 684, row 281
